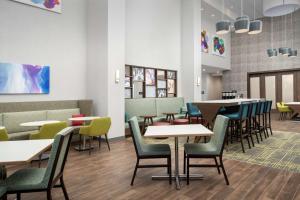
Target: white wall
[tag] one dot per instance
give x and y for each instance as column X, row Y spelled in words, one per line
column 208, row 23
column 212, row 87
column 30, row 35
column 153, row 34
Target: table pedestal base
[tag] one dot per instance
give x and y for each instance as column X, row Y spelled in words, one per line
column 179, row 178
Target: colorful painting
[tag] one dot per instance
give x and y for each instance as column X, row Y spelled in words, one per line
column 204, row 41
column 150, row 77
column 138, row 74
column 52, row 5
column 171, row 86
column 24, row 79
column 218, row 46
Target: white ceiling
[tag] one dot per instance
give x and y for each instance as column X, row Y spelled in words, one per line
column 232, row 8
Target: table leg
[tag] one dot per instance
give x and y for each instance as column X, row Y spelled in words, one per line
column 177, row 176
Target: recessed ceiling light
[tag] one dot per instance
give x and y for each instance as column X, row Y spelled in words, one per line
column 204, row 70
column 212, row 15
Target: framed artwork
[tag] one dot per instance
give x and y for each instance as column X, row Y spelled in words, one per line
column 161, row 74
column 150, row 77
column 218, row 46
column 204, row 41
column 171, row 75
column 161, row 93
column 127, row 81
column 161, row 84
column 150, row 91
column 24, row 79
column 51, row 5
column 138, row 74
column 171, row 86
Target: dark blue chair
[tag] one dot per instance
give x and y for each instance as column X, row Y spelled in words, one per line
column 193, row 111
column 261, row 118
column 237, row 119
column 252, row 121
column 268, row 123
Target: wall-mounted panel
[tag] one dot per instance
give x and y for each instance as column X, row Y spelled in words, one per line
column 270, row 89
column 288, row 88
column 255, row 87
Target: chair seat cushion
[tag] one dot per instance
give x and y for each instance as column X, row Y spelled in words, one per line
column 233, row 116
column 2, row 191
column 156, row 150
column 201, row 149
column 26, row 179
column 195, row 114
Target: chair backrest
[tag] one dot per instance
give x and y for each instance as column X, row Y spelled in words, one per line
column 58, row 156
column 262, row 107
column 269, row 106
column 191, row 108
column 219, row 130
column 48, row 131
column 244, row 112
column 136, row 135
column 254, row 109
column 3, row 135
column 99, row 126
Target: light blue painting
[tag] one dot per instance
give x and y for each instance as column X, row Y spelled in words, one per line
column 24, row 79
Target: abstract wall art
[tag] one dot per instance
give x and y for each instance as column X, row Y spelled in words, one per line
column 24, row 79
column 204, row 41
column 150, row 77
column 218, row 46
column 51, row 5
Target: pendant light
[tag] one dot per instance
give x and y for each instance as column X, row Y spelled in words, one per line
column 285, row 50
column 272, row 52
column 223, row 26
column 293, row 52
column 255, row 25
column 242, row 23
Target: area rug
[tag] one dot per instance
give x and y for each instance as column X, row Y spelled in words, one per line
column 281, row 151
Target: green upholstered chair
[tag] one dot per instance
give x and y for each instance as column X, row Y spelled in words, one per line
column 48, row 131
column 148, row 151
column 97, row 128
column 3, row 135
column 3, row 193
column 43, row 179
column 213, row 149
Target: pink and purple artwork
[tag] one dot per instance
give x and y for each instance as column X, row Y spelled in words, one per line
column 52, row 5
column 24, row 79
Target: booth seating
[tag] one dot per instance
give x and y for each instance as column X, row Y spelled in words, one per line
column 13, row 114
column 154, row 106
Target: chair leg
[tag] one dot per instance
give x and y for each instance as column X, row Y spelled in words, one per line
column 107, row 142
column 184, row 162
column 224, row 172
column 188, row 171
column 134, row 173
column 49, row 196
column 170, row 170
column 4, row 197
column 241, row 136
column 64, row 188
column 99, row 141
column 18, row 196
column 187, row 139
column 217, row 165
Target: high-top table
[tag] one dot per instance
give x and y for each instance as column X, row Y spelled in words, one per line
column 177, row 131
column 295, row 106
column 84, row 120
column 209, row 109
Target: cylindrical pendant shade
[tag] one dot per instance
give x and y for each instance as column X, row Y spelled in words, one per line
column 242, row 24
column 272, row 53
column 255, row 27
column 284, row 51
column 293, row 53
column 222, row 27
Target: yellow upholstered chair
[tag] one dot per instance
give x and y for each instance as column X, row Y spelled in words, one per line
column 96, row 128
column 3, row 134
column 49, row 131
column 283, row 110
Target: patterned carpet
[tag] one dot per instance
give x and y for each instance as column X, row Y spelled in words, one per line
column 281, row 151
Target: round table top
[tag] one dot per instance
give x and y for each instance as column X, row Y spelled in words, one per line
column 83, row 118
column 170, row 113
column 148, row 116
column 39, row 123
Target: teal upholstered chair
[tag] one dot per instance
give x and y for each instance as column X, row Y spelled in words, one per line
column 3, row 192
column 43, row 179
column 148, row 151
column 212, row 149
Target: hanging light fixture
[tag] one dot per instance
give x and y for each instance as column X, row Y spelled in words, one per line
column 284, row 50
column 293, row 52
column 255, row 25
column 223, row 26
column 242, row 23
column 272, row 52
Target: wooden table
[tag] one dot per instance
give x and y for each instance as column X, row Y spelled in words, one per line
column 170, row 116
column 295, row 106
column 177, row 131
column 39, row 124
column 23, row 151
column 85, row 120
column 209, row 109
column 148, row 120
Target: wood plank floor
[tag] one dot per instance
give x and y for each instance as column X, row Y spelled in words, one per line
column 106, row 175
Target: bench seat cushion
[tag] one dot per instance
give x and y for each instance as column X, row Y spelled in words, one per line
column 62, row 115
